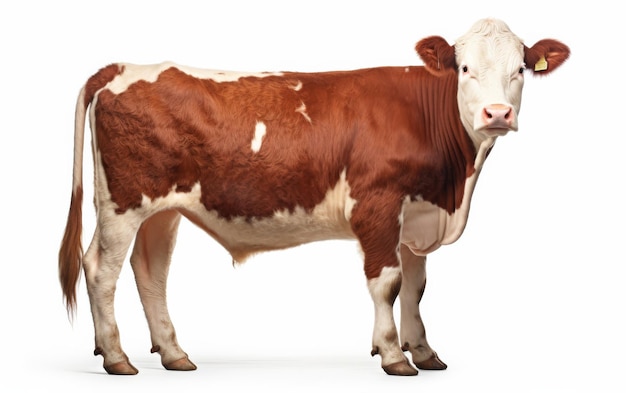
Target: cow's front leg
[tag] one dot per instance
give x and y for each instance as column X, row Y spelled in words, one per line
column 377, row 227
column 384, row 290
column 412, row 332
column 150, row 260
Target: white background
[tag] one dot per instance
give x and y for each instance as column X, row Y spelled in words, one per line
column 530, row 299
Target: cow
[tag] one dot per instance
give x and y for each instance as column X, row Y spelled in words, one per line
column 388, row 156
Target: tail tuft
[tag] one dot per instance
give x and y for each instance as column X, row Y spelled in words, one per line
column 71, row 252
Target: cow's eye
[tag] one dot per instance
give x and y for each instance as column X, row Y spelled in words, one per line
column 521, row 70
column 464, row 69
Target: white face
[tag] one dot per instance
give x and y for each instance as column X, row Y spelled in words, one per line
column 491, row 76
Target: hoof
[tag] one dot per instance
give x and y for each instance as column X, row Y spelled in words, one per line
column 183, row 364
column 432, row 363
column 400, row 368
column 121, row 368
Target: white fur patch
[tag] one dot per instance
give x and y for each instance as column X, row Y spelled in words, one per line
column 379, row 286
column 150, row 73
column 298, row 86
column 385, row 337
column 489, row 57
column 302, row 110
column 259, row 133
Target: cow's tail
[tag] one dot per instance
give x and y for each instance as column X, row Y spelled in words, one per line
column 71, row 251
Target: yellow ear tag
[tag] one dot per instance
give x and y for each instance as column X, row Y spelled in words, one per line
column 541, row 64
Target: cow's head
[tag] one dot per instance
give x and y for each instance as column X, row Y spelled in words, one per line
column 490, row 61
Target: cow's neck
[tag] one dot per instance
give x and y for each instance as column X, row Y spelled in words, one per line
column 432, row 220
column 455, row 223
column 454, row 155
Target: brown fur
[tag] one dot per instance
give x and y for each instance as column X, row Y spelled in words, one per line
column 71, row 252
column 555, row 53
column 437, row 54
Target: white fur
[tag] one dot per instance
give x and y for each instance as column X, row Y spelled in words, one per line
column 79, row 137
column 384, row 325
column 489, row 45
column 298, row 86
column 259, row 133
column 302, row 110
column 150, row 73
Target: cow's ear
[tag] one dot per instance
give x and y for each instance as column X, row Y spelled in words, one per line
column 545, row 56
column 437, row 54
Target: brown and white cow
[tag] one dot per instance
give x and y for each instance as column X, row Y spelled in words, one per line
column 387, row 156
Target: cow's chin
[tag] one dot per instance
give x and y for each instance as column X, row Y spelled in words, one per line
column 494, row 132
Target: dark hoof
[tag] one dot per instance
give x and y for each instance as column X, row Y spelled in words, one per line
column 121, row 368
column 400, row 368
column 183, row 364
column 432, row 363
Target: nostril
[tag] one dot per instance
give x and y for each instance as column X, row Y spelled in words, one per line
column 498, row 115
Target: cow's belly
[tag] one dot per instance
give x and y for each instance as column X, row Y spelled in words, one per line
column 243, row 236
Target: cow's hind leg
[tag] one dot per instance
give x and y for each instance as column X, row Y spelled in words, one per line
column 412, row 332
column 150, row 260
column 102, row 264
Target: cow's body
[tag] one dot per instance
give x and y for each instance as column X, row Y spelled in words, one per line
column 273, row 160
